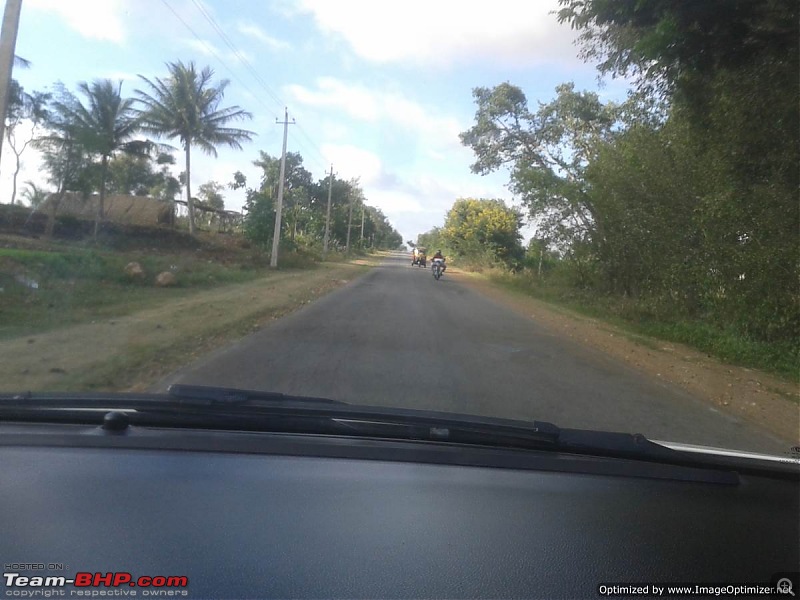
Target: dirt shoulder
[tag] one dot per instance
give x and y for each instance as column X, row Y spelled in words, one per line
column 755, row 396
column 134, row 351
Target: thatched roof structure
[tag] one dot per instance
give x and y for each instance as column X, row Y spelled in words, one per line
column 129, row 210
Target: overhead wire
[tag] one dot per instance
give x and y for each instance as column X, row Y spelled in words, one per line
column 260, row 80
column 213, row 52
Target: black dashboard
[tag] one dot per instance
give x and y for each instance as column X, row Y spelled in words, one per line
column 249, row 515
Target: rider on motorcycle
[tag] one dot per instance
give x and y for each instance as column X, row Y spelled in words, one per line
column 440, row 255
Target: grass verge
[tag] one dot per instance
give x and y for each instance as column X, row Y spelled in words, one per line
column 779, row 358
column 136, row 350
column 47, row 286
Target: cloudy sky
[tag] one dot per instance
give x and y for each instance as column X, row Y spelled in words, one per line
column 379, row 89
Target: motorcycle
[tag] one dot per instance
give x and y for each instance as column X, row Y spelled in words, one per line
column 437, row 268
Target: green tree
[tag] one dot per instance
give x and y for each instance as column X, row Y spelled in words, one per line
column 65, row 159
column 186, row 105
column 680, row 46
column 137, row 175
column 341, row 193
column 33, row 194
column 482, row 230
column 23, row 107
column 165, row 185
column 729, row 72
column 211, row 194
column 378, row 231
column 105, row 126
column 432, row 240
column 130, row 175
column 296, row 189
column 546, row 151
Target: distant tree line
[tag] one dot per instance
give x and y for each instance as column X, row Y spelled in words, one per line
column 94, row 141
column 305, row 205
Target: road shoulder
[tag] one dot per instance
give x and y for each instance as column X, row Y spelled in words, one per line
column 749, row 394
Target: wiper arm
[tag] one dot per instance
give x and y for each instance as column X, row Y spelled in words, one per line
column 201, row 395
column 192, row 402
column 185, row 405
column 179, row 397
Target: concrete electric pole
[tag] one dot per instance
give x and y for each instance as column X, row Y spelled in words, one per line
column 362, row 224
column 8, row 43
column 328, row 216
column 276, row 238
column 349, row 224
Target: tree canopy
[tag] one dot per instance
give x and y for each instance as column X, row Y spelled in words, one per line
column 187, row 105
column 684, row 197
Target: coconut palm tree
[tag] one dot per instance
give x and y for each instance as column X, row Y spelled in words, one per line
column 186, row 105
column 104, row 127
column 34, row 194
column 64, row 159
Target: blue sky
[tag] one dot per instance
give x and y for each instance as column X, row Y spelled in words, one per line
column 379, row 89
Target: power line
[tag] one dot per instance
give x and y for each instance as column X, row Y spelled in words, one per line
column 243, row 59
column 213, row 52
column 236, row 52
column 317, row 150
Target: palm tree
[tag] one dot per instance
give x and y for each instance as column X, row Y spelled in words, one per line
column 64, row 158
column 104, row 127
column 186, row 105
column 33, row 194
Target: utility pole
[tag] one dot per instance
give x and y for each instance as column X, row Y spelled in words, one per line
column 349, row 224
column 8, row 43
column 362, row 224
column 328, row 216
column 276, row 238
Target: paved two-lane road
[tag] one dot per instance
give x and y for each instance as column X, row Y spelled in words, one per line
column 397, row 337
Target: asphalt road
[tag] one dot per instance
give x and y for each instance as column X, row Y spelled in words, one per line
column 397, row 337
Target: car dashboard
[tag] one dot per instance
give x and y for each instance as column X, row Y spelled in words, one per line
column 258, row 515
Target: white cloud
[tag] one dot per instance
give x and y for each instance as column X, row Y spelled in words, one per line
column 259, row 34
column 203, row 47
column 96, row 19
column 332, row 130
column 508, row 32
column 206, row 48
column 373, row 106
column 351, row 161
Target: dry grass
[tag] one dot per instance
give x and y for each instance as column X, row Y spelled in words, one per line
column 136, row 350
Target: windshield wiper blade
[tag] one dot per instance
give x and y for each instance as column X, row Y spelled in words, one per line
column 226, row 407
column 399, row 423
column 178, row 397
column 191, row 401
column 202, row 395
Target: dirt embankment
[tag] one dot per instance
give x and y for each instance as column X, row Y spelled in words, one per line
column 753, row 395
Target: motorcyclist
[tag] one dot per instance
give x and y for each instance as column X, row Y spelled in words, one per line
column 440, row 255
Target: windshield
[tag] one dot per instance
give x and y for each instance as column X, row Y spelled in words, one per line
column 256, row 195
